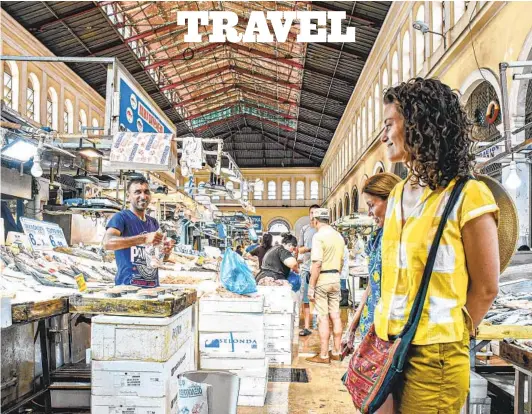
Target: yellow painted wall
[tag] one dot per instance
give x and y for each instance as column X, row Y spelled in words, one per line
column 501, row 31
column 290, row 214
column 17, row 41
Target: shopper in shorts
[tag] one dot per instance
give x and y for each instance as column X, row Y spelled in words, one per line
column 324, row 288
column 305, row 247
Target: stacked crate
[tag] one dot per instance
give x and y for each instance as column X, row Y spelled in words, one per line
column 136, row 361
column 279, row 308
column 231, row 337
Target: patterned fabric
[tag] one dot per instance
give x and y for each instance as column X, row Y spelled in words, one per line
column 373, row 250
column 404, row 252
column 368, row 369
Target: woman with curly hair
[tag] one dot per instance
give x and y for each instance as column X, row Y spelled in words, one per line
column 427, row 129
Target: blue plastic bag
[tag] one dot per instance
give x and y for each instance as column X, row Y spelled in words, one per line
column 295, row 280
column 235, row 274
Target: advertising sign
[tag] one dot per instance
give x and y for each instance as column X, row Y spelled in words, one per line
column 43, row 235
column 136, row 113
column 257, row 222
column 141, row 151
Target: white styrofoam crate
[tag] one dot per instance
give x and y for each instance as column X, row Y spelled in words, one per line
column 106, row 404
column 252, row 380
column 478, row 388
column 277, row 297
column 257, row 400
column 279, row 345
column 279, row 358
column 278, row 320
column 139, row 378
column 232, row 342
column 232, row 361
column 494, row 345
column 278, row 333
column 245, row 304
column 5, row 315
column 118, row 338
column 230, row 322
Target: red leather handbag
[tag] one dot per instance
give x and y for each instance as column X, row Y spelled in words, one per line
column 377, row 365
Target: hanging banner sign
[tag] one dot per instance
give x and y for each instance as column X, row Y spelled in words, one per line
column 257, row 222
column 136, row 114
column 141, row 151
column 43, row 235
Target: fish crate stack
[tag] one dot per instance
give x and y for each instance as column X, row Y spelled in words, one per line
column 231, row 338
column 136, row 361
column 279, row 307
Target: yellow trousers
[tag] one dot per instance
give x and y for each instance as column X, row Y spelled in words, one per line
column 436, row 379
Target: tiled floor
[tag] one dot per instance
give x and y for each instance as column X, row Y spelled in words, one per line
column 323, row 394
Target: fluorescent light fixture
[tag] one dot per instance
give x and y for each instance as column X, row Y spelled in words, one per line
column 512, row 181
column 20, row 150
column 90, row 152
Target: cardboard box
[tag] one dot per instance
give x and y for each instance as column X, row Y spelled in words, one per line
column 105, row 404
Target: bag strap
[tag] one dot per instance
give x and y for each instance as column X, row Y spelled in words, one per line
column 417, row 307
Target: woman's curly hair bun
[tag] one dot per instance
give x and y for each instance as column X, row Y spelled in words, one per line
column 437, row 131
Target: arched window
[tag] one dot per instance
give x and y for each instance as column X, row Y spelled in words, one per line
column 51, row 108
column 314, row 190
column 10, row 94
column 82, row 122
column 272, row 190
column 385, row 81
column 459, row 9
column 395, row 69
column 68, row 117
column 285, row 195
column 33, row 93
column 346, row 204
column 377, row 103
column 340, row 210
column 95, row 125
column 370, row 116
column 420, row 41
column 258, row 189
column 279, row 226
column 300, row 190
column 333, row 215
column 8, row 86
column 354, row 197
column 437, row 23
column 406, row 56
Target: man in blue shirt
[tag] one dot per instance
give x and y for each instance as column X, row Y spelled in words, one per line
column 129, row 232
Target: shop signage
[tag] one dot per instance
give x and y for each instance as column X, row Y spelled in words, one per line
column 141, row 151
column 186, row 249
column 257, row 222
column 136, row 114
column 43, row 235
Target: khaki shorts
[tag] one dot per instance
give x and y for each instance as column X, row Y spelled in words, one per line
column 436, row 378
column 327, row 298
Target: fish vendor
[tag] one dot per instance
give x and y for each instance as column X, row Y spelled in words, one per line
column 132, row 234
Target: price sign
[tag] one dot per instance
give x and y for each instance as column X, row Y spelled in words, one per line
column 80, row 280
column 43, row 235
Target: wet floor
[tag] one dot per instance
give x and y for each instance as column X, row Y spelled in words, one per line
column 323, row 394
